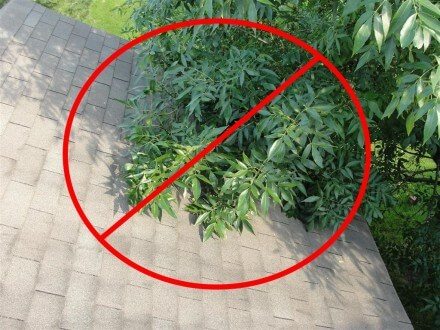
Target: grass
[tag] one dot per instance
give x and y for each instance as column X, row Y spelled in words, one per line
column 2, row 2
column 101, row 14
column 104, row 14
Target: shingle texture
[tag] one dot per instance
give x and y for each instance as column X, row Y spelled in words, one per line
column 54, row 274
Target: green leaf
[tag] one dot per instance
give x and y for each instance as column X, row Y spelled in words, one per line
column 431, row 123
column 248, row 226
column 314, row 114
column 391, row 107
column 408, row 31
column 196, row 188
column 184, row 93
column 220, row 229
column 311, row 199
column 368, row 15
column 207, row 233
column 418, row 38
column 276, row 150
column 284, row 8
column 201, row 218
column 431, row 7
column 183, row 60
column 351, row 6
column 409, row 78
column 317, row 156
column 401, row 16
column 386, row 17
column 435, row 77
column 389, row 50
column 437, row 107
column 243, row 202
column 252, row 11
column 274, row 196
column 362, row 36
column 165, row 205
column 410, row 123
column 406, row 99
column 426, row 39
column 155, row 210
column 378, row 31
column 306, row 151
column 374, row 108
column 365, row 58
column 208, row 8
column 266, row 2
column 265, row 203
column 419, row 113
column 213, row 179
column 241, row 78
column 430, row 22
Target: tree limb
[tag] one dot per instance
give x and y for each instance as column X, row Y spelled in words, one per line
column 421, row 180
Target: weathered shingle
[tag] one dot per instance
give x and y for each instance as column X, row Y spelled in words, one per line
column 18, row 288
column 80, row 297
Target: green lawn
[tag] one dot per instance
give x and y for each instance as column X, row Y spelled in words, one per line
column 101, row 14
column 104, row 15
column 2, row 2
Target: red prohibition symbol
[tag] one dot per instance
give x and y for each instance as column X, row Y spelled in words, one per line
column 317, row 57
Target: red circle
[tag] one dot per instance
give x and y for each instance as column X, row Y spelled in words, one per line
column 248, row 24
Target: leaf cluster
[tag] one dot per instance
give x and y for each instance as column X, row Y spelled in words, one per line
column 304, row 151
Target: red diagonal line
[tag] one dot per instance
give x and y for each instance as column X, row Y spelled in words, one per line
column 211, row 146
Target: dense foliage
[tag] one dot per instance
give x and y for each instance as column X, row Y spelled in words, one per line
column 305, row 150
column 410, row 250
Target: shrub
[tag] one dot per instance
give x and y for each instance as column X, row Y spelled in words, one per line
column 304, row 150
column 410, row 249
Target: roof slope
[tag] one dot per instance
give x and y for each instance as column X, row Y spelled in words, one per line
column 54, row 274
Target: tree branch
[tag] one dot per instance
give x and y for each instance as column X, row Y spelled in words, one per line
column 421, row 171
column 414, row 153
column 421, row 180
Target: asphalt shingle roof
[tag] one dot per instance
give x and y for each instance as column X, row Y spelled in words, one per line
column 53, row 273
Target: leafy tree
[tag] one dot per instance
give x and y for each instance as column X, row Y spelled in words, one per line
column 304, row 150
